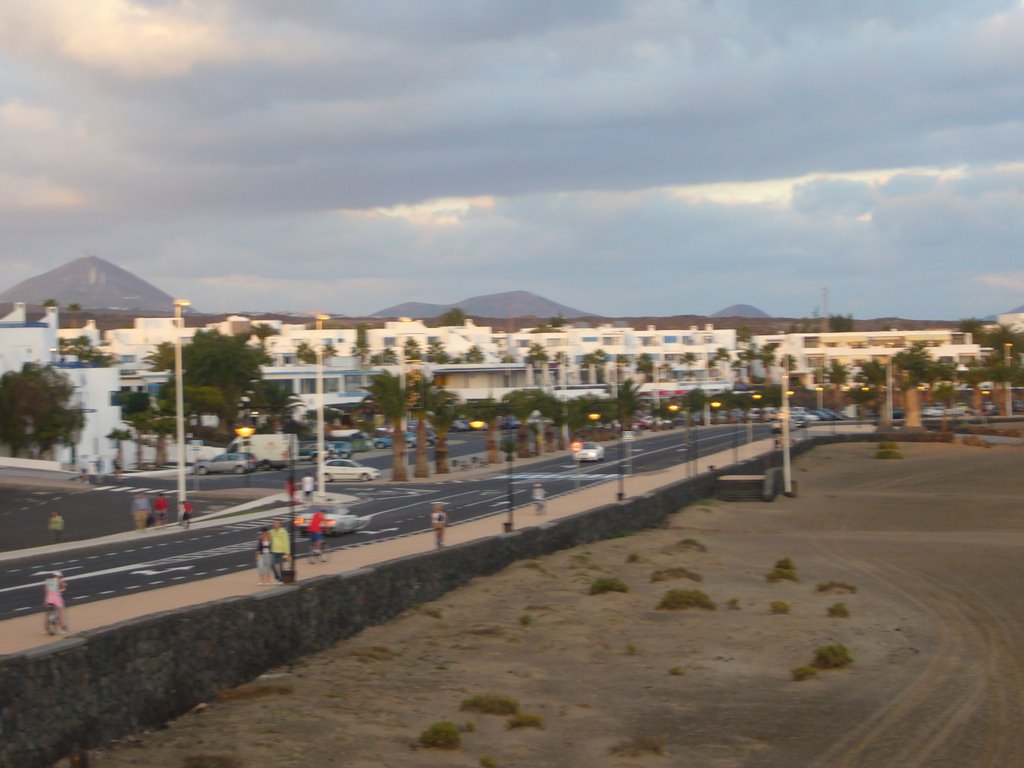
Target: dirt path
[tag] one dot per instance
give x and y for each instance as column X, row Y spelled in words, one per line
column 931, row 543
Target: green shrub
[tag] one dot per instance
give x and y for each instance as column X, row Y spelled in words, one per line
column 675, row 573
column 888, row 454
column 839, row 611
column 488, row 762
column 785, row 564
column 681, row 599
column 212, row 761
column 676, row 671
column 804, row 673
column 781, row 574
column 631, row 650
column 469, row 726
column 693, row 544
column 633, row 558
column 525, row 720
column 888, row 445
column 778, row 606
column 600, row 586
column 525, row 620
column 832, row 657
column 490, row 704
column 441, row 735
column 733, row 604
column 837, row 586
column 637, row 747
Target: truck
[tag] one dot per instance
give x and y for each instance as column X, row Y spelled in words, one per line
column 271, row 451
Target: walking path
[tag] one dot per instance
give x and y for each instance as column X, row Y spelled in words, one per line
column 26, row 632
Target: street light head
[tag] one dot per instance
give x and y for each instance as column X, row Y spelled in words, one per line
column 182, row 303
column 593, row 416
column 715, row 404
column 756, row 396
column 245, row 432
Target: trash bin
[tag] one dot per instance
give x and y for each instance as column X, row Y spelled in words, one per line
column 507, row 526
column 288, row 576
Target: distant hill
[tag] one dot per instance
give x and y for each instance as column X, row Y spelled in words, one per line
column 500, row 305
column 740, row 310
column 92, row 283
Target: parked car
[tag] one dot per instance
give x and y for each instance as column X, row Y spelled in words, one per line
column 589, row 452
column 933, row 411
column 337, row 520
column 383, row 441
column 461, row 425
column 236, row 463
column 346, row 469
column 333, row 449
column 508, row 422
column 410, row 438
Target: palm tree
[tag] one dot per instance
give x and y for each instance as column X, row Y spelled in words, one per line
column 443, row 412
column 74, row 309
column 387, row 357
column 411, row 349
column 275, row 401
column 522, row 404
column 161, row 358
column 436, row 352
column 689, row 359
column 119, row 436
column 536, row 354
column 627, row 403
column 721, row 356
column 837, row 374
column 645, row 365
column 873, row 374
column 474, row 355
column 767, row 358
column 141, row 422
column 305, row 353
column 389, row 397
column 262, row 332
column 915, row 367
column 361, row 348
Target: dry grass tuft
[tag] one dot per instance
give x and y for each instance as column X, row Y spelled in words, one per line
column 637, row 747
column 675, row 573
column 837, row 587
column 212, row 761
column 490, row 704
column 525, row 720
column 681, row 599
column 374, row 653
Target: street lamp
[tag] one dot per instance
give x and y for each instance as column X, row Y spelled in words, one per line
column 787, row 466
column 179, row 401
column 575, row 447
column 674, row 409
column 245, row 432
column 320, row 447
column 509, row 447
column 1007, row 346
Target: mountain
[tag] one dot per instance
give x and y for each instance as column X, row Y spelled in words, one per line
column 92, row 283
column 500, row 305
column 740, row 310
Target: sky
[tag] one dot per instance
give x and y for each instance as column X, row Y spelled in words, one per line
column 621, row 157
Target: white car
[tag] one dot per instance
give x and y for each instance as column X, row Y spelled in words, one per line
column 346, row 469
column 589, row 452
column 933, row 411
column 337, row 520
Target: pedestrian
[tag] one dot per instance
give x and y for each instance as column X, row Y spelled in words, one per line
column 316, row 535
column 53, row 594
column 280, row 548
column 83, row 474
column 307, row 487
column 538, row 498
column 100, row 469
column 117, row 467
column 186, row 513
column 438, row 521
column 264, row 557
column 141, row 511
column 160, row 509
column 56, row 526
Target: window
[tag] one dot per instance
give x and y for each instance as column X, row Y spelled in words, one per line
column 307, row 386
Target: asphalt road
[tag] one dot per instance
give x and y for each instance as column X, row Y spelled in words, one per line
column 157, row 559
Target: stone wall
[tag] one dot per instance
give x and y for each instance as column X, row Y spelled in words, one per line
column 103, row 684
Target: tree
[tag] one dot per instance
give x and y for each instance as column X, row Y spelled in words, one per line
column 305, row 353
column 474, row 355
column 411, row 349
column 645, row 365
column 275, row 401
column 119, row 436
column 874, row 375
column 227, row 363
column 436, row 352
column 536, row 353
column 36, row 410
column 767, row 358
column 262, row 332
column 837, row 374
column 74, row 309
column 627, row 403
column 361, row 348
column 389, row 397
column 914, row 367
column 82, row 349
column 521, row 404
column 387, row 357
column 453, row 316
column 161, row 358
column 840, row 324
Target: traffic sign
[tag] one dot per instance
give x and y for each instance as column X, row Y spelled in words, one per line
column 628, row 436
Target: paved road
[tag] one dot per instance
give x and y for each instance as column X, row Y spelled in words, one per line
column 134, row 562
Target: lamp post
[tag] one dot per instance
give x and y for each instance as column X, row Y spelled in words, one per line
column 750, row 421
column 674, row 409
column 787, row 469
column 290, row 485
column 1007, row 346
column 245, row 432
column 509, row 448
column 575, row 446
column 320, row 447
column 179, row 401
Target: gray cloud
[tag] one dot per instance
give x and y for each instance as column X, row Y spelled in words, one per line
column 253, row 152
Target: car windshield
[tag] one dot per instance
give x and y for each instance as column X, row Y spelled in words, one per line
column 589, row 446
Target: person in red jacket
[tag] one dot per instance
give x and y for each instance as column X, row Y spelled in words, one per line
column 316, row 535
column 160, row 509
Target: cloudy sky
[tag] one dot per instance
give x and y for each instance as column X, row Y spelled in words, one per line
column 623, row 157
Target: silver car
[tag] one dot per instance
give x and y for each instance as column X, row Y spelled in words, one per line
column 234, row 463
column 589, row 452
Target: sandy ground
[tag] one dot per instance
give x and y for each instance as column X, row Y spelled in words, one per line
column 931, row 543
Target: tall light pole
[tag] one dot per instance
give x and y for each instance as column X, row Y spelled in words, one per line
column 320, row 444
column 1007, row 346
column 787, row 467
column 179, row 401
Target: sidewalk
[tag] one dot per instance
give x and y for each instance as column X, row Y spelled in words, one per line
column 26, row 632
